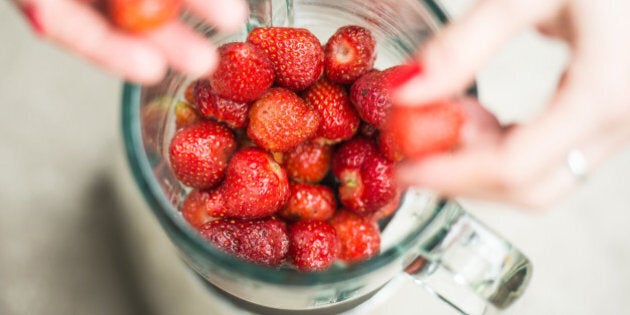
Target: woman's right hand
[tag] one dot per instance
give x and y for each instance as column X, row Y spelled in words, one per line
column 587, row 120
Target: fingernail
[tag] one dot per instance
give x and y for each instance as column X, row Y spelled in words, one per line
column 31, row 13
column 406, row 73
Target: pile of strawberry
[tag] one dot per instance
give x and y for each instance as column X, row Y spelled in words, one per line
column 288, row 150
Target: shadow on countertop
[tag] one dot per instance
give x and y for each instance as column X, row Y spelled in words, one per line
column 77, row 259
column 109, row 245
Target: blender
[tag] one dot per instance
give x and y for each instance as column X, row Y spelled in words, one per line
column 431, row 241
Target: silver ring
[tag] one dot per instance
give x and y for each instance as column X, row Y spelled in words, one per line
column 577, row 164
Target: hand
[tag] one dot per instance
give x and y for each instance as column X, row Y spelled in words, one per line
column 590, row 111
column 80, row 26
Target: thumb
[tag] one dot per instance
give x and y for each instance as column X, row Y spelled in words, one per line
column 451, row 58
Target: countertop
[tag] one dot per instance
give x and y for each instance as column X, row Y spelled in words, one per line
column 77, row 238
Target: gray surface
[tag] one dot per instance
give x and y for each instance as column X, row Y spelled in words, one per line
column 76, row 237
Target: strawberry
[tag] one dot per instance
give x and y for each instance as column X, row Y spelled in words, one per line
column 280, row 120
column 255, row 185
column 211, row 105
column 308, row 162
column 244, row 72
column 263, row 241
column 313, row 245
column 297, row 55
column 359, row 237
column 371, row 93
column 185, row 115
column 370, row 98
column 202, row 206
column 142, row 15
column 339, row 119
column 388, row 209
column 426, row 129
column 199, row 153
column 389, row 147
column 351, row 154
column 189, row 92
column 366, row 176
column 309, row 202
column 349, row 53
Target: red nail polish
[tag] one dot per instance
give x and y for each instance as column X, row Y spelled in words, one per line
column 32, row 15
column 405, row 73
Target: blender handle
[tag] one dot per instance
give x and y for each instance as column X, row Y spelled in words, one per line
column 466, row 264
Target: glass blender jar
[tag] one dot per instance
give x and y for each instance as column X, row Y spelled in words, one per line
column 435, row 241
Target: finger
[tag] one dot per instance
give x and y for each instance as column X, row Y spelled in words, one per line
column 480, row 126
column 467, row 173
column 480, row 136
column 548, row 190
column 479, row 174
column 226, row 15
column 522, row 156
column 84, row 31
column 558, row 182
column 558, row 26
column 184, row 49
column 451, row 59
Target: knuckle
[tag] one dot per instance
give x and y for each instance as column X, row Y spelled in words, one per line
column 521, row 187
column 537, row 203
column 510, row 179
column 617, row 111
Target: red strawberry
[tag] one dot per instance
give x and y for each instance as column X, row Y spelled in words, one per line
column 211, row 105
column 366, row 177
column 370, row 98
column 297, row 55
column 308, row 162
column 202, row 206
column 426, row 129
column 351, row 154
column 389, row 147
column 371, row 93
column 339, row 119
column 142, row 15
column 309, row 202
column 389, row 208
column 199, row 153
column 280, row 120
column 360, row 237
column 185, row 115
column 255, row 185
column 313, row 245
column 263, row 241
column 189, row 94
column 349, row 53
column 244, row 72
